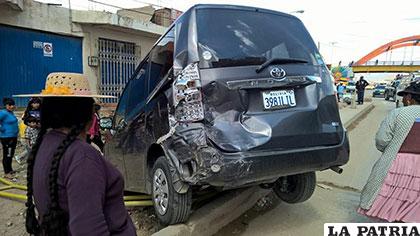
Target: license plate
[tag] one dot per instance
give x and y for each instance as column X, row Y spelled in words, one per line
column 279, row 99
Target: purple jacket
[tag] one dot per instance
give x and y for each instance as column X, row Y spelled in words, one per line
column 90, row 188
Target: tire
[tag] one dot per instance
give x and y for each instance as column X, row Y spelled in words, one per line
column 386, row 96
column 295, row 188
column 178, row 205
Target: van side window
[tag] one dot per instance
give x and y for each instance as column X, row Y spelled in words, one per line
column 120, row 112
column 161, row 59
column 138, row 90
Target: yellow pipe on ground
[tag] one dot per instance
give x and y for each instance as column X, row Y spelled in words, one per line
column 5, row 188
column 17, row 186
column 21, row 187
column 138, row 203
column 137, row 197
column 13, row 195
column 6, row 182
column 129, row 201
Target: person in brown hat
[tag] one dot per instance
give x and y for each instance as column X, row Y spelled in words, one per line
column 392, row 191
column 411, row 94
column 74, row 189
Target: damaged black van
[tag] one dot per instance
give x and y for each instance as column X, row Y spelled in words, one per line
column 229, row 96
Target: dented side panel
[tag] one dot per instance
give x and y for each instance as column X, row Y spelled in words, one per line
column 232, row 144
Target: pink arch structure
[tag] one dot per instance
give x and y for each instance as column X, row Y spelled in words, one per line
column 399, row 43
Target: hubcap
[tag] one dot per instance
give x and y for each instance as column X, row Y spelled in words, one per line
column 160, row 191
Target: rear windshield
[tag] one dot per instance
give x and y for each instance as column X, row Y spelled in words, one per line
column 229, row 37
column 380, row 87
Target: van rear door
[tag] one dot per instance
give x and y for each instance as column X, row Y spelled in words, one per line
column 264, row 83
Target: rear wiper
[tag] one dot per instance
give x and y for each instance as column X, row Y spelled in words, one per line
column 239, row 61
column 279, row 61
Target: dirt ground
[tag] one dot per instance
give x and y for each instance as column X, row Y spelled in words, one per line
column 12, row 216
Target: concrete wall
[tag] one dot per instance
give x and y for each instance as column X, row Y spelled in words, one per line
column 15, row 4
column 143, row 13
column 38, row 16
column 88, row 25
column 143, row 42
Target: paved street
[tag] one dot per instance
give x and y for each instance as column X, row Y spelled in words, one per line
column 363, row 153
column 328, row 204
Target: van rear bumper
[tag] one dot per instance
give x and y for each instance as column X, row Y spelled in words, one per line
column 250, row 168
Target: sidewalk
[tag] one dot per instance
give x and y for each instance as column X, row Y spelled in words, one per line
column 363, row 153
column 349, row 115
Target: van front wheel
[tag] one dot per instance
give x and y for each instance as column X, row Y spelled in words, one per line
column 170, row 207
column 295, row 188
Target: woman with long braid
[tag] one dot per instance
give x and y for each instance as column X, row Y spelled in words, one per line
column 73, row 188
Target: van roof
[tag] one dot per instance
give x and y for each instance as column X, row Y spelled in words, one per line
column 237, row 7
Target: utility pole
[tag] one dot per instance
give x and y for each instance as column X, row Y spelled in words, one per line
column 332, row 51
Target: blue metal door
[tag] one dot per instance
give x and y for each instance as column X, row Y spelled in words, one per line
column 28, row 56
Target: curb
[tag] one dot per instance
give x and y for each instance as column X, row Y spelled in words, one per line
column 361, row 113
column 210, row 218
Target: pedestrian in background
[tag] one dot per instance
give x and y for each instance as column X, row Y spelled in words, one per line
column 392, row 192
column 360, row 87
column 75, row 189
column 94, row 134
column 8, row 135
column 31, row 134
column 33, row 109
column 340, row 91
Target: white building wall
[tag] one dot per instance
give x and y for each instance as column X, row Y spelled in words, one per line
column 90, row 45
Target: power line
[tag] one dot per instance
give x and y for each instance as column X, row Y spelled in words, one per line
column 130, row 9
column 152, row 4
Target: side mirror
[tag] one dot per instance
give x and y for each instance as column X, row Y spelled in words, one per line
column 105, row 123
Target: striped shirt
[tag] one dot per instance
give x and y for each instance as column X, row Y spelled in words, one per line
column 31, row 134
column 390, row 137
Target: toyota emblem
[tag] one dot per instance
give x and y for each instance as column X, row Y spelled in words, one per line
column 277, row 73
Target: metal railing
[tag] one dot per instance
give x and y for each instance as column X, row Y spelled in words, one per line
column 392, row 63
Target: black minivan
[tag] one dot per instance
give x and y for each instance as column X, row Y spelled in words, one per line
column 229, row 96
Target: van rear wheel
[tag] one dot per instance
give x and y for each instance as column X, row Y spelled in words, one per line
column 170, row 207
column 295, row 188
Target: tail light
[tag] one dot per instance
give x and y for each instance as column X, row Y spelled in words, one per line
column 187, row 95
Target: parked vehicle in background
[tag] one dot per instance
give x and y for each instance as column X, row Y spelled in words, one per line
column 234, row 103
column 391, row 90
column 351, row 87
column 379, row 91
column 371, row 86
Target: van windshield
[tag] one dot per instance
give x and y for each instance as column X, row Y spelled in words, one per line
column 231, row 37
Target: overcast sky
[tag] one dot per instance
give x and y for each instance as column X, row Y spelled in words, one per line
column 346, row 30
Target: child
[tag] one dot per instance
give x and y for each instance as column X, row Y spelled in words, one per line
column 340, row 91
column 31, row 134
column 33, row 109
